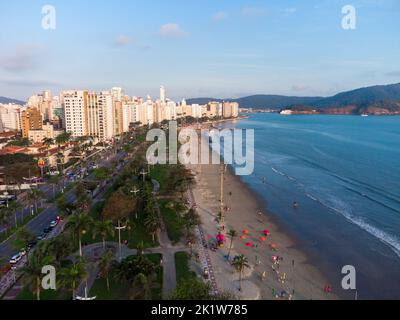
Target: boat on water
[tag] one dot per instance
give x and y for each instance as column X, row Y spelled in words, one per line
column 364, row 115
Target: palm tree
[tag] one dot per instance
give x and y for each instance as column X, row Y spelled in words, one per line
column 23, row 237
column 63, row 138
column 233, row 234
column 142, row 286
column 152, row 224
column 32, row 271
column 240, row 263
column 103, row 229
column 34, row 196
column 105, row 266
column 80, row 224
column 140, row 248
column 47, row 142
column 73, row 275
column 60, row 161
column 14, row 207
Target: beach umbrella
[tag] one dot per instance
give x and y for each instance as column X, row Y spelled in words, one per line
column 273, row 246
column 263, row 238
column 266, row 232
column 246, row 232
column 243, row 237
column 249, row 244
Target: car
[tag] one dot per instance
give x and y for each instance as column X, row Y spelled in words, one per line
column 54, row 223
column 15, row 259
column 41, row 237
column 47, row 230
column 30, row 245
column 22, row 252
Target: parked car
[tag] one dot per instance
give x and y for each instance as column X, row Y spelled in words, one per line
column 47, row 230
column 15, row 259
column 41, row 237
column 22, row 252
column 31, row 244
column 54, row 223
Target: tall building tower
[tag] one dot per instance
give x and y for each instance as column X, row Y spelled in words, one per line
column 31, row 119
column 162, row 94
column 75, row 108
column 100, row 115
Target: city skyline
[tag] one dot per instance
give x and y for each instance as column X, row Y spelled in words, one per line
column 226, row 51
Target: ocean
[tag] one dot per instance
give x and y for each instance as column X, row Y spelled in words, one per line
column 344, row 173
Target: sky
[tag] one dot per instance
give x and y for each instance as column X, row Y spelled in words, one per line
column 203, row 48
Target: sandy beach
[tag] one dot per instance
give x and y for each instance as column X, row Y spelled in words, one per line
column 294, row 276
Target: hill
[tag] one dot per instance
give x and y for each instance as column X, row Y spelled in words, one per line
column 261, row 101
column 10, row 100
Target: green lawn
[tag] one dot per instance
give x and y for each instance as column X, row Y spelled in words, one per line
column 120, row 291
column 183, row 271
column 26, row 294
column 173, row 222
column 160, row 173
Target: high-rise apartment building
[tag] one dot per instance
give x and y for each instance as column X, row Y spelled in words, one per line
column 100, row 123
column 31, row 119
column 10, row 117
column 76, row 115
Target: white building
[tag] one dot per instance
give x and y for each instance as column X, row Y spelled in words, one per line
column 162, row 94
column 10, row 117
column 75, row 108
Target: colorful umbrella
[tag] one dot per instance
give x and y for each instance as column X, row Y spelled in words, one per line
column 262, row 239
column 246, row 232
column 249, row 244
column 243, row 237
column 266, row 232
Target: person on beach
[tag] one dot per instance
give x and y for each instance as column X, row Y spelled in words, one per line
column 264, row 276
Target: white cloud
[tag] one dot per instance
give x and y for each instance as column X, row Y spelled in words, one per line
column 290, row 10
column 172, row 30
column 254, row 11
column 220, row 16
column 22, row 59
column 123, row 40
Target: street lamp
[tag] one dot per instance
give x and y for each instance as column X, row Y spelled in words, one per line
column 135, row 191
column 119, row 228
column 85, row 298
column 143, row 173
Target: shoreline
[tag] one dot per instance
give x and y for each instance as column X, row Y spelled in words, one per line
column 296, row 275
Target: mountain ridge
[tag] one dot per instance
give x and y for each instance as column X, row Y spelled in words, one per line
column 6, row 100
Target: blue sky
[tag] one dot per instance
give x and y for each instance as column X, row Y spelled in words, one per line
column 219, row 48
